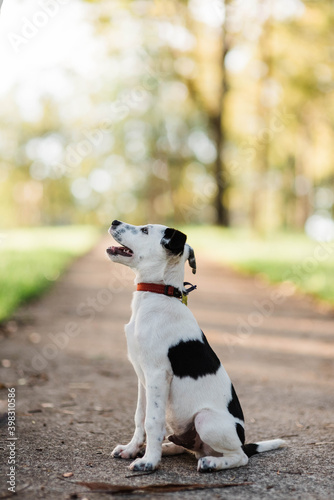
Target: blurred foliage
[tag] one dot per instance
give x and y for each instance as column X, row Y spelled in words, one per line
column 283, row 257
column 195, row 104
column 48, row 251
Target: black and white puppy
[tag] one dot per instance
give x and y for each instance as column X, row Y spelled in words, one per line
column 181, row 383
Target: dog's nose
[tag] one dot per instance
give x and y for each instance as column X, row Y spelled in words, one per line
column 115, row 223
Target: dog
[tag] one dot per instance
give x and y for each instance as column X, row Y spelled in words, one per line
column 182, row 385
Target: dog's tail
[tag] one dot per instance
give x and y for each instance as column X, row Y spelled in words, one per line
column 254, row 448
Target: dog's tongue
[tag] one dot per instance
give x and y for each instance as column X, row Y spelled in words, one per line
column 125, row 251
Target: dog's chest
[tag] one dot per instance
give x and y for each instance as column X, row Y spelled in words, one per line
column 135, row 341
column 132, row 342
column 147, row 344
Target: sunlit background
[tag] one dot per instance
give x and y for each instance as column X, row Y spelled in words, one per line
column 198, row 111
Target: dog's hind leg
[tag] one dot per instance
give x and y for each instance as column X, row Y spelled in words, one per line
column 131, row 450
column 228, row 461
column 172, row 449
column 217, row 430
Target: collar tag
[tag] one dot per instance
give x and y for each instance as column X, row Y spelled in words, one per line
column 186, row 291
column 190, row 289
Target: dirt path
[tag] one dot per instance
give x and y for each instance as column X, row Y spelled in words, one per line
column 76, row 391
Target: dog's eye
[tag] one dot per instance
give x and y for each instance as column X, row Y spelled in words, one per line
column 144, row 230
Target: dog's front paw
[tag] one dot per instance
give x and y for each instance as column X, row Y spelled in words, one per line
column 143, row 465
column 125, row 451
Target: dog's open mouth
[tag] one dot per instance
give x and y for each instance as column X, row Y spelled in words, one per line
column 123, row 250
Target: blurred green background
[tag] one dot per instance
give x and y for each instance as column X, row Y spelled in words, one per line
column 187, row 113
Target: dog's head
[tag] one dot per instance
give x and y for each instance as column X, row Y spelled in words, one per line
column 150, row 248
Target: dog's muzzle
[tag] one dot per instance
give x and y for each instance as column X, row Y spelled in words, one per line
column 122, row 250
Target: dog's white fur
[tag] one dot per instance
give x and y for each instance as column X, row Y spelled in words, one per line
column 196, row 410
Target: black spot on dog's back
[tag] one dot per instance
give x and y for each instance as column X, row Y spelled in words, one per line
column 193, row 358
column 241, row 433
column 234, row 406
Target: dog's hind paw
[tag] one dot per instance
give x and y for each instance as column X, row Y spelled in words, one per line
column 206, row 465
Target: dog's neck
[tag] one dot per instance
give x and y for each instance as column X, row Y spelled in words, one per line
column 162, row 274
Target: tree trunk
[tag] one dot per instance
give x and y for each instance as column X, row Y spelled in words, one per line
column 222, row 212
column 218, row 126
column 260, row 200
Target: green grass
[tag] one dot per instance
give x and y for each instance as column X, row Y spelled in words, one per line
column 31, row 259
column 279, row 257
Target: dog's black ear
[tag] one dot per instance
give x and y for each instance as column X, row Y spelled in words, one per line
column 174, row 241
column 192, row 260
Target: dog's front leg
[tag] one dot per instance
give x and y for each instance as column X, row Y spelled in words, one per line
column 131, row 449
column 157, row 388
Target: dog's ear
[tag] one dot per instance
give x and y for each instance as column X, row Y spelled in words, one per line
column 192, row 260
column 174, row 241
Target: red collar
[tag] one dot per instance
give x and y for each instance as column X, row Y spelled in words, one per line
column 168, row 290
